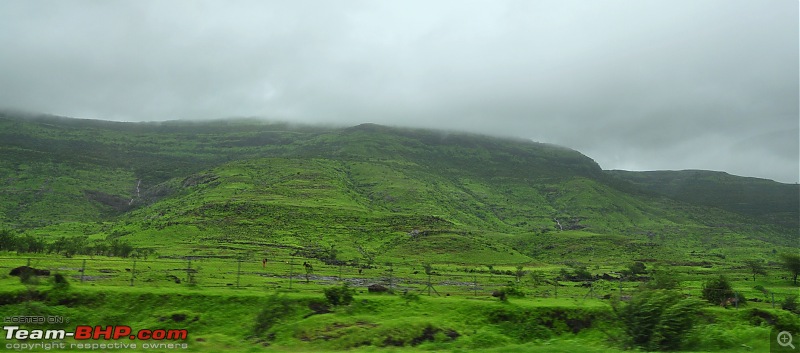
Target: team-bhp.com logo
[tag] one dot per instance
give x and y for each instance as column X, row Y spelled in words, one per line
column 95, row 333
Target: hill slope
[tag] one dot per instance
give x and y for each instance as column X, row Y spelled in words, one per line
column 250, row 186
column 766, row 199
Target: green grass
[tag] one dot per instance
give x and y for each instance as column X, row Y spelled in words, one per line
column 474, row 207
column 224, row 319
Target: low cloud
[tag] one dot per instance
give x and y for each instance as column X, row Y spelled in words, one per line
column 710, row 84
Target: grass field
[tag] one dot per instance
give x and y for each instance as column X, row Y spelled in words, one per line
column 223, row 316
column 227, row 320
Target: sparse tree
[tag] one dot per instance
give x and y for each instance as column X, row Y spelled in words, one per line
column 634, row 270
column 520, row 272
column 367, row 256
column 331, row 254
column 309, row 270
column 756, row 267
column 537, row 278
column 791, row 263
column 29, row 244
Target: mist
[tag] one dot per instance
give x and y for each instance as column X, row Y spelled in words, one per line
column 634, row 85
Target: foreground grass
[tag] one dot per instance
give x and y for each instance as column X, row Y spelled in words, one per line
column 251, row 320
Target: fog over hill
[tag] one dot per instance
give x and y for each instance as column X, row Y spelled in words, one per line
column 710, row 84
column 100, row 169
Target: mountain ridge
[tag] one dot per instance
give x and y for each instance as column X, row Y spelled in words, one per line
column 362, row 187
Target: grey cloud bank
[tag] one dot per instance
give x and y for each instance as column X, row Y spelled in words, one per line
column 635, row 85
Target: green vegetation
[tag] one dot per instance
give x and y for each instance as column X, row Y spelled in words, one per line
column 257, row 321
column 221, row 215
column 658, row 320
column 339, row 295
column 718, row 291
column 791, row 263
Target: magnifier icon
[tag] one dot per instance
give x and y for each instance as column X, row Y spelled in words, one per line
column 785, row 339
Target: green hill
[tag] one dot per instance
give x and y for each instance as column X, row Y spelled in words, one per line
column 771, row 201
column 243, row 185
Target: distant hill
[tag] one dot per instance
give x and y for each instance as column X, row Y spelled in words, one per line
column 249, row 185
column 766, row 199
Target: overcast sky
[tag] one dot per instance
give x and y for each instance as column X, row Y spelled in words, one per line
column 638, row 85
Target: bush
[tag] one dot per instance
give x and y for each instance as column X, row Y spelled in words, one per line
column 634, row 270
column 780, row 320
column 485, row 338
column 409, row 297
column 59, row 282
column 28, row 276
column 657, row 319
column 718, row 291
column 275, row 309
column 339, row 295
column 741, row 300
column 514, row 290
column 663, row 279
column 790, row 304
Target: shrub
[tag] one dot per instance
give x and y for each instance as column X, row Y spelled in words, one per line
column 500, row 294
column 635, row 269
column 339, row 295
column 717, row 291
column 741, row 300
column 514, row 290
column 582, row 274
column 28, row 276
column 780, row 320
column 59, row 282
column 485, row 338
column 511, row 289
column 275, row 309
column 657, row 319
column 790, row 304
column 409, row 297
column 663, row 279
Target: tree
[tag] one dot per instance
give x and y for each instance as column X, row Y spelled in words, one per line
column 29, row 244
column 366, row 256
column 579, row 273
column 756, row 267
column 634, row 269
column 520, row 272
column 537, row 278
column 791, row 263
column 7, row 239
